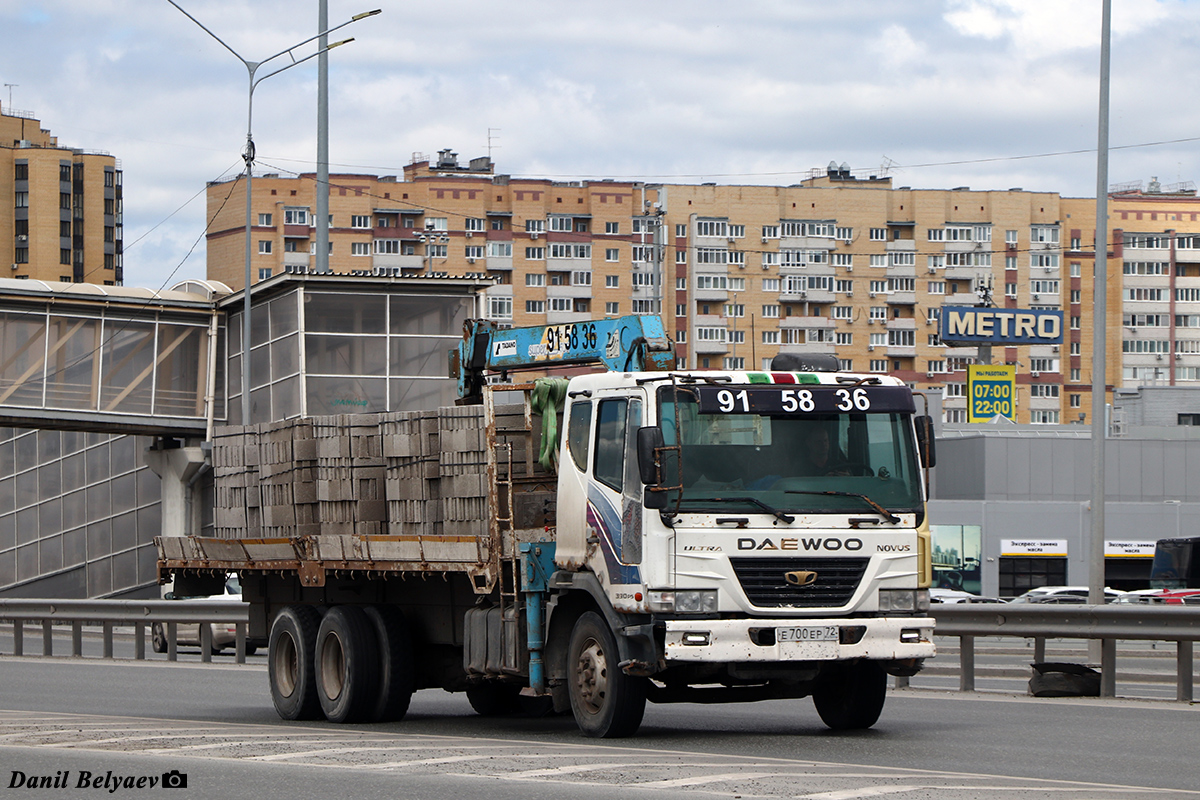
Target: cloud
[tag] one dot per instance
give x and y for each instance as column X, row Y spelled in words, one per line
column 684, row 90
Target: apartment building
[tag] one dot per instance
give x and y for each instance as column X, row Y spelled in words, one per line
column 65, row 222
column 842, row 262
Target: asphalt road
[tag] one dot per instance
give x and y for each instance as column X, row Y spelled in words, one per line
column 215, row 724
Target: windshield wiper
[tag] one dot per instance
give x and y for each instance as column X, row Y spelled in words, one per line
column 889, row 516
column 751, row 500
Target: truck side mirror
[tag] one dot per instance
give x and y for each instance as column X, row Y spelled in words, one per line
column 925, row 441
column 648, row 440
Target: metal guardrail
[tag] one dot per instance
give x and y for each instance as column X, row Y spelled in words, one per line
column 138, row 613
column 1107, row 623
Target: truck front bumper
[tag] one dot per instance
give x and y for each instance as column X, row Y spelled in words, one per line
column 791, row 639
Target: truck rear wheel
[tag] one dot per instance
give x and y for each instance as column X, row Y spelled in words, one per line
column 606, row 702
column 290, row 663
column 850, row 696
column 347, row 665
column 395, row 663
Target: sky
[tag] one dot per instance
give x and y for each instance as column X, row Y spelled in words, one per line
column 991, row 94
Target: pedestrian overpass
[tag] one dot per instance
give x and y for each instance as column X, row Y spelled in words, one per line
column 111, row 359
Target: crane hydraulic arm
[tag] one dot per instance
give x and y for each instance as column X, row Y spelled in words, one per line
column 621, row 344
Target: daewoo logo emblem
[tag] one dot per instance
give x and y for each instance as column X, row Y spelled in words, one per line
column 800, row 577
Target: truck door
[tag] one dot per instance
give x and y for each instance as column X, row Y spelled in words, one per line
column 615, row 491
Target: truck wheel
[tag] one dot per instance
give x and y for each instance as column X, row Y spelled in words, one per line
column 494, row 699
column 606, row 702
column 395, row 663
column 158, row 638
column 290, row 663
column 347, row 662
column 850, row 696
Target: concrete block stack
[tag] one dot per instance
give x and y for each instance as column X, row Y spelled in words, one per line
column 412, row 453
column 238, row 511
column 287, row 475
column 462, row 470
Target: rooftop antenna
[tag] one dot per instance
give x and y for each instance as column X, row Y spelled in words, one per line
column 491, row 146
column 10, row 87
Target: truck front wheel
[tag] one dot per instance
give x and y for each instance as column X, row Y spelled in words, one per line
column 606, row 702
column 850, row 696
column 347, row 665
column 290, row 663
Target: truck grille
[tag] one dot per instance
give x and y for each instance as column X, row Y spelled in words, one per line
column 763, row 581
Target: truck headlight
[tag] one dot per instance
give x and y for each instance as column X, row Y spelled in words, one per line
column 696, row 601
column 910, row 601
column 690, row 601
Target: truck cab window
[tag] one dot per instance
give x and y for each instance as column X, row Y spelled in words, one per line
column 610, row 443
column 578, row 427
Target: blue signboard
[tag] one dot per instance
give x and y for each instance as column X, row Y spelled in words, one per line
column 1003, row 326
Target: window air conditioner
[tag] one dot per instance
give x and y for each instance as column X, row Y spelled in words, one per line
column 533, row 235
column 1158, row 357
column 1048, row 269
column 1035, row 297
column 22, row 238
column 849, row 268
column 1179, row 356
column 928, row 374
column 870, row 294
column 871, row 321
column 933, row 270
column 1035, row 374
column 765, row 240
column 470, row 261
column 871, row 346
column 849, row 294
column 469, row 234
column 1054, row 349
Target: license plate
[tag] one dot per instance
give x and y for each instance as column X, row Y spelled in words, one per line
column 810, row 633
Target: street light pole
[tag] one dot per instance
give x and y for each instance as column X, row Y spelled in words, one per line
column 248, row 156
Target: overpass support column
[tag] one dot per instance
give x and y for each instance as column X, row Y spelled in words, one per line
column 178, row 465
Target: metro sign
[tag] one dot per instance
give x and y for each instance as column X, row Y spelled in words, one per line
column 1005, row 326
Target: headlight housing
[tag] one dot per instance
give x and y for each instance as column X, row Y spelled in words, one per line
column 904, row 601
column 685, row 601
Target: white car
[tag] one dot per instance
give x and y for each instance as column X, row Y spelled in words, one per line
column 224, row 634
column 1063, row 594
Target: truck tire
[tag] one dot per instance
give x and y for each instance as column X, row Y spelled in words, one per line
column 395, row 663
column 850, row 696
column 347, row 665
column 606, row 702
column 494, row 699
column 290, row 663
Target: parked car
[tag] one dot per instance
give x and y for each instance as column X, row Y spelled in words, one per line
column 1063, row 594
column 223, row 634
column 949, row 596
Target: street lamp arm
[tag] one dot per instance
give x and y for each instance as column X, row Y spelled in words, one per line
column 259, row 80
column 210, row 33
column 325, row 32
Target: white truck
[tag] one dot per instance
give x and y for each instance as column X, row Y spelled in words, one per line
column 697, row 536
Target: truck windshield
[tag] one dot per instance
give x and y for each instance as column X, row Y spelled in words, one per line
column 1176, row 564
column 785, row 447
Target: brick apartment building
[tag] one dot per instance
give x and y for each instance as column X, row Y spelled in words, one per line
column 842, row 263
column 65, row 222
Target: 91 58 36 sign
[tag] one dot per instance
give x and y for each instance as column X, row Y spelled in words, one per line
column 780, row 400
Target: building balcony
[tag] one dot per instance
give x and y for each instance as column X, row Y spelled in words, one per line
column 807, row 323
column 901, row 351
column 300, row 260
column 567, row 264
column 559, row 317
column 496, row 263
column 709, row 347
column 395, row 260
column 807, row 295
column 796, row 348
column 902, row 298
column 719, row 295
column 569, row 291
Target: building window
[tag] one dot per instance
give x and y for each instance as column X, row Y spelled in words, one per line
column 264, row 220
column 264, row 273
column 879, row 235
column 680, row 310
column 473, row 224
column 500, row 308
column 499, row 249
column 612, row 254
column 878, row 365
column 295, row 216
column 435, row 224
column 559, row 304
column 264, row 247
column 681, row 231
column 612, row 227
column 535, row 254
column 612, row 309
column 360, row 248
column 535, row 306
